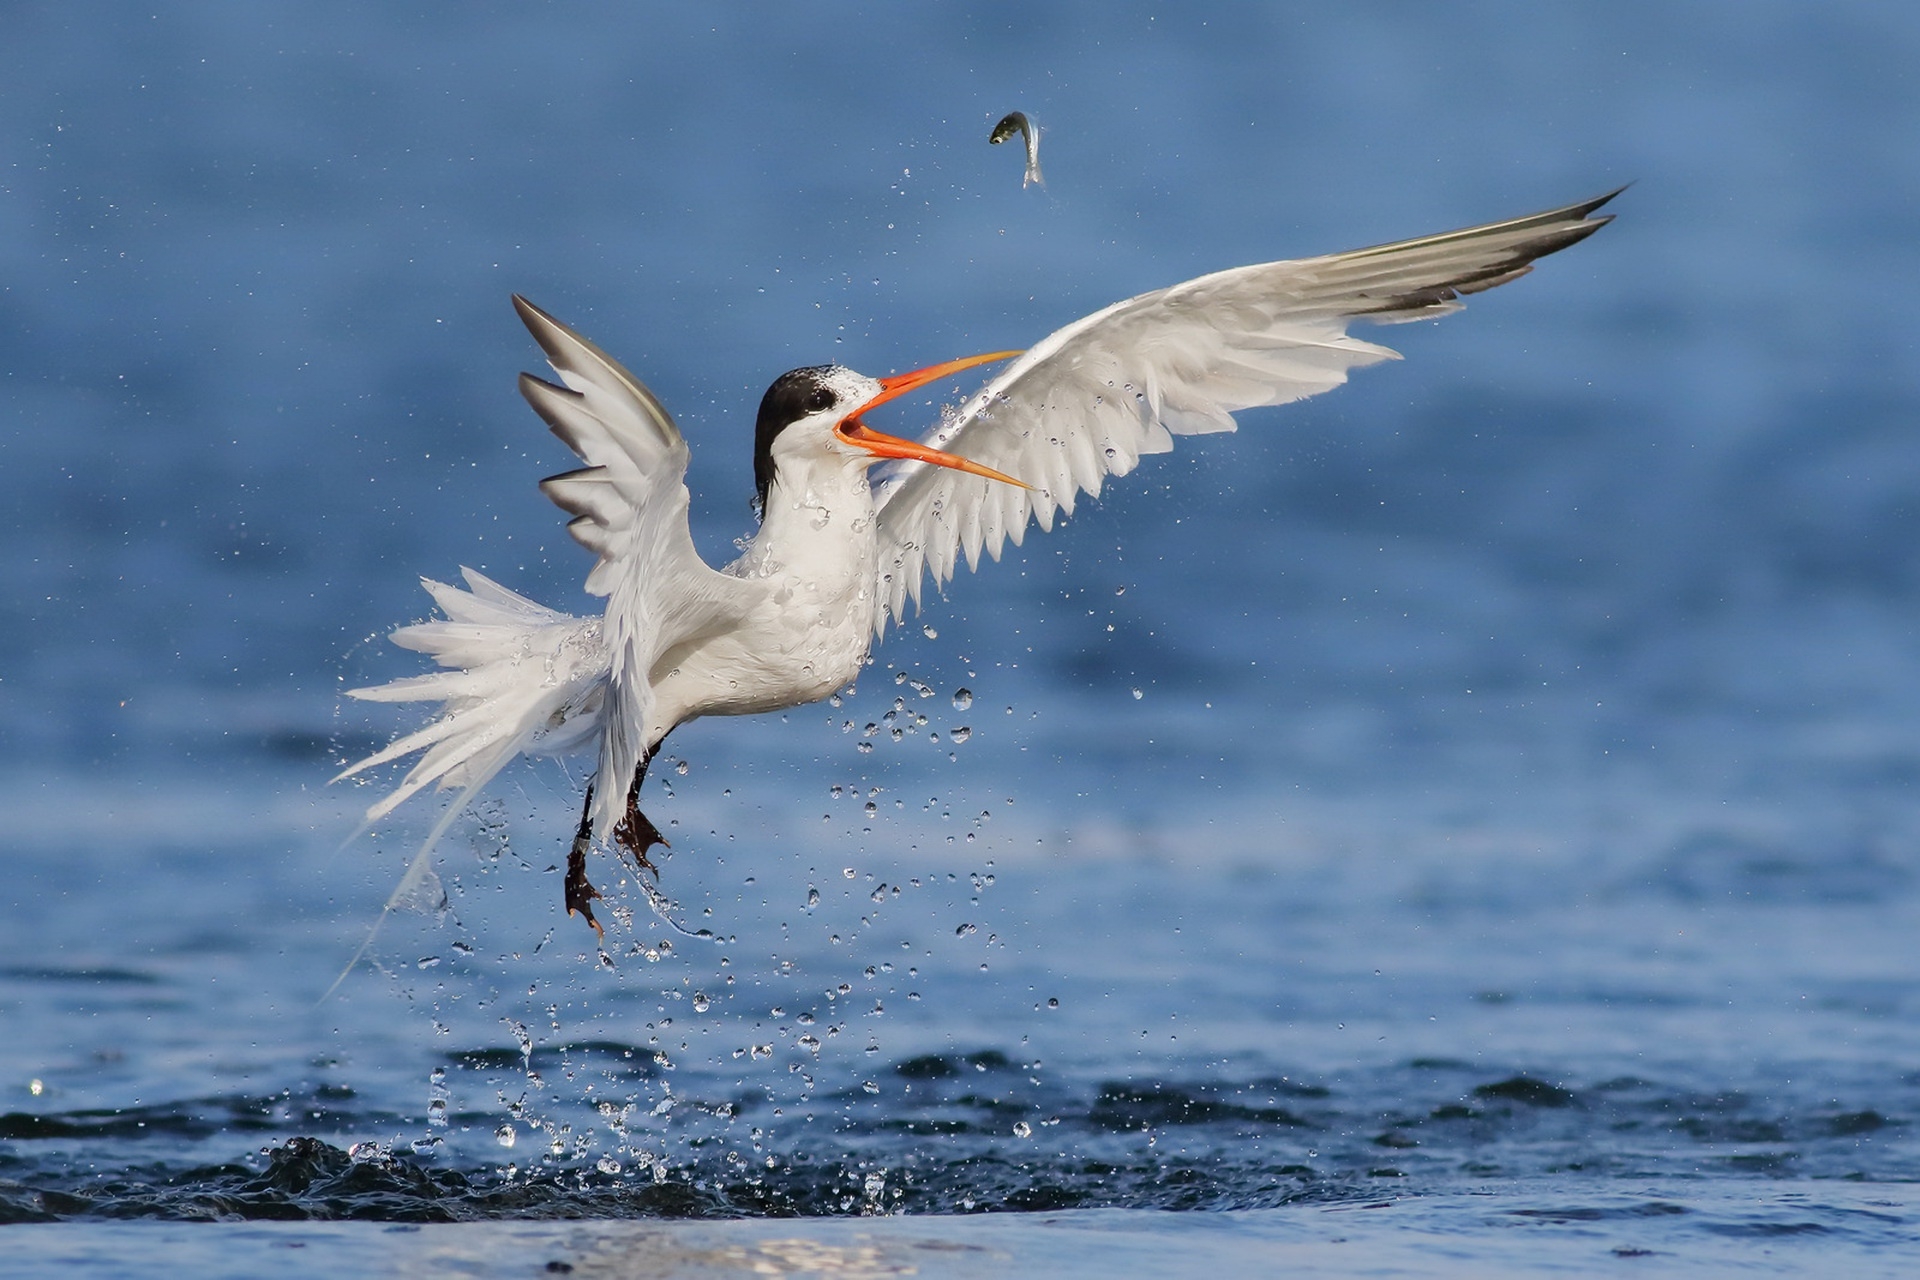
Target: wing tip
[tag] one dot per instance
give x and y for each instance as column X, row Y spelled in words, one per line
column 547, row 331
column 1546, row 233
column 1584, row 208
column 564, row 346
column 555, row 405
column 580, row 361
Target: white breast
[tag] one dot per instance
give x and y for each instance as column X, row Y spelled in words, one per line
column 815, row 557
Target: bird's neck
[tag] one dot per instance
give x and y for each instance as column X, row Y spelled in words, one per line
column 818, row 523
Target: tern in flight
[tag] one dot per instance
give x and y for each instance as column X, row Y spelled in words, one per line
column 836, row 559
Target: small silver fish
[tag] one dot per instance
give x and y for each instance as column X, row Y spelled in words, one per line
column 1016, row 122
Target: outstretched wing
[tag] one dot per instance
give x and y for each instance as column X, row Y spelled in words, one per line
column 629, row 507
column 1090, row 399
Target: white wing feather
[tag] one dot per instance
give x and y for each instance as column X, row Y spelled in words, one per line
column 629, row 505
column 1089, row 400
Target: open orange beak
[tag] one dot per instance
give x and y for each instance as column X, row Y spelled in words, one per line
column 856, row 432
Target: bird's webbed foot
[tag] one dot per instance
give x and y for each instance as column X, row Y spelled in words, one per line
column 580, row 892
column 635, row 833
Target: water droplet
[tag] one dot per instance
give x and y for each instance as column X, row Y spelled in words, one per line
column 1053, row 1002
column 700, row 1002
column 607, row 1165
column 878, row 895
column 680, row 767
column 960, row 733
column 964, row 930
column 1138, row 694
column 962, row 699
column 929, row 633
column 505, row 1135
column 813, row 897
column 426, row 962
column 1022, row 1129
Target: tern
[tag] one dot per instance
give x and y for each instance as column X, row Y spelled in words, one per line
column 837, row 558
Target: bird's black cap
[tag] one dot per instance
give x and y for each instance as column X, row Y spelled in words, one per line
column 796, row 394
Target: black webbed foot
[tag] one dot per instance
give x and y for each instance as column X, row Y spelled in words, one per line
column 580, row 892
column 635, row 833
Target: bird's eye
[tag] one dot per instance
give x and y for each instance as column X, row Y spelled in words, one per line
column 818, row 399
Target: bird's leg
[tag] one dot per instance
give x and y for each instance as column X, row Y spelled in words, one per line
column 634, row 834
column 579, row 890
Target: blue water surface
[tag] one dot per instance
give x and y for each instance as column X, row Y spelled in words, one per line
column 1486, row 791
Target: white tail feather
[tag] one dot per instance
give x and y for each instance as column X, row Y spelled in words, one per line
column 523, row 679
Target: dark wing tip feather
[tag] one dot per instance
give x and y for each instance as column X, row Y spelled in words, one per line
column 545, row 329
column 593, row 535
column 564, row 344
column 583, row 494
column 1561, row 228
column 580, row 492
column 574, row 354
column 1481, row 284
column 1582, row 210
column 547, row 401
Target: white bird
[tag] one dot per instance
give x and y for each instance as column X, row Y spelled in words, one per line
column 834, row 560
